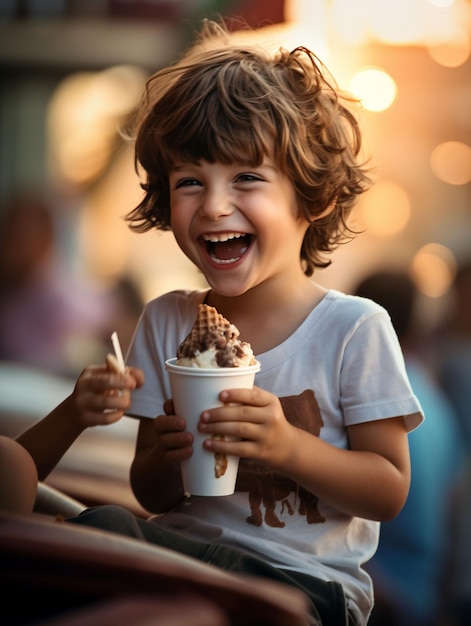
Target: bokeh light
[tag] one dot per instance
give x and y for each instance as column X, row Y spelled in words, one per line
column 402, row 22
column 375, row 88
column 433, row 268
column 441, row 3
column 385, row 210
column 85, row 115
column 453, row 52
column 451, row 162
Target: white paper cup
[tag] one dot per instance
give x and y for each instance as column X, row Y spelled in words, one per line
column 194, row 390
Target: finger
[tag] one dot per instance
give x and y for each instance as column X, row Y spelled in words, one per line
column 168, row 407
column 111, row 416
column 240, row 448
column 137, row 374
column 254, row 396
column 176, row 440
column 113, row 365
column 101, row 380
column 169, row 424
column 235, row 429
column 117, row 399
column 233, row 413
column 100, row 402
column 178, row 454
column 101, row 418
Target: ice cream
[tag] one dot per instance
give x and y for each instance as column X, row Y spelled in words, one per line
column 213, row 342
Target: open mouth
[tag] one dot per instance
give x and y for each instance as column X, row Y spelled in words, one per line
column 225, row 248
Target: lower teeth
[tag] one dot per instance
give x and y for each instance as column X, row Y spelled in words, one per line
column 224, row 261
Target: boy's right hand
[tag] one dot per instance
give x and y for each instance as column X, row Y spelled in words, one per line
column 173, row 441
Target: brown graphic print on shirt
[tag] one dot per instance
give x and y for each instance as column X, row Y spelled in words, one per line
column 266, row 488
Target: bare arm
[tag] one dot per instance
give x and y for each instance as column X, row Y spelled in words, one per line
column 370, row 480
column 99, row 397
column 155, row 473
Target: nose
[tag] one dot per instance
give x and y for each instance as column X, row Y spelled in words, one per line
column 216, row 203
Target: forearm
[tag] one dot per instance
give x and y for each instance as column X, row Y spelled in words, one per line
column 49, row 439
column 359, row 483
column 157, row 486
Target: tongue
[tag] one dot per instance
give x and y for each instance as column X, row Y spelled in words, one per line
column 232, row 249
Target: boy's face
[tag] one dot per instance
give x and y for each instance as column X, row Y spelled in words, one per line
column 239, row 224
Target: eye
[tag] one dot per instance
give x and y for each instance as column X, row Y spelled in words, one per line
column 186, row 182
column 247, row 177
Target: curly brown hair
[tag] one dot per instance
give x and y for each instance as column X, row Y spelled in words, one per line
column 226, row 102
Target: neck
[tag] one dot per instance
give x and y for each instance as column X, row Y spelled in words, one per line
column 269, row 313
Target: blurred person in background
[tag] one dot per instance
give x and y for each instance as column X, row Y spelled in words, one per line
column 452, row 359
column 453, row 350
column 457, row 576
column 127, row 305
column 409, row 563
column 45, row 310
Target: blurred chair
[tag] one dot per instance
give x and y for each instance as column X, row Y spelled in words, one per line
column 51, row 501
column 59, row 573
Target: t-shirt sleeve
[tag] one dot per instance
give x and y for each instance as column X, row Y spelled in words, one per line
column 374, row 381
column 164, row 323
column 147, row 353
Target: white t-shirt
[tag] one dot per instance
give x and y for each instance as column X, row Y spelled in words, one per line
column 342, row 366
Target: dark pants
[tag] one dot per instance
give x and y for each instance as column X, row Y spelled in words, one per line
column 328, row 604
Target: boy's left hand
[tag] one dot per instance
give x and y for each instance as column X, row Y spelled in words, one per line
column 256, row 418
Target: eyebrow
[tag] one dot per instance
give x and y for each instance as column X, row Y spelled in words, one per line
column 178, row 168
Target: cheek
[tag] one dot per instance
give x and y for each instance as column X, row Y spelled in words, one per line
column 179, row 231
column 178, row 219
column 180, row 222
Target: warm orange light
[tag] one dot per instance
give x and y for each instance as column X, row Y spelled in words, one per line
column 452, row 53
column 441, row 3
column 375, row 88
column 402, row 22
column 84, row 116
column 385, row 210
column 451, row 162
column 433, row 269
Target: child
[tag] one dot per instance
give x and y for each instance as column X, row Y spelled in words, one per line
column 252, row 161
column 100, row 397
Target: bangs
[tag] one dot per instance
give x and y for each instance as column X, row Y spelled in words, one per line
column 225, row 117
column 218, row 140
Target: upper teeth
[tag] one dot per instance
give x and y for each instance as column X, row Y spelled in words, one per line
column 223, row 237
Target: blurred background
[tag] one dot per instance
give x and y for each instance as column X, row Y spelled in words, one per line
column 71, row 271
column 71, row 71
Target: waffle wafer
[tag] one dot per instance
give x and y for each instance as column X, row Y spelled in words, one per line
column 214, row 335
column 210, row 329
